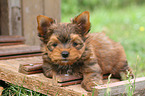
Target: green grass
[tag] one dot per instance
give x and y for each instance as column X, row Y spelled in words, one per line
column 120, row 24
column 15, row 90
column 130, row 87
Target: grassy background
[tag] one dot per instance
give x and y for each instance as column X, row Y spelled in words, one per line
column 122, row 20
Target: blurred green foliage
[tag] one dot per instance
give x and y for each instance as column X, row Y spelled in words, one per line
column 71, row 6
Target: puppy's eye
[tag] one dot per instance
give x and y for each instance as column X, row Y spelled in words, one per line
column 75, row 44
column 54, row 44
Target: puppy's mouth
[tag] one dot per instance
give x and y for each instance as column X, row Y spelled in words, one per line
column 64, row 60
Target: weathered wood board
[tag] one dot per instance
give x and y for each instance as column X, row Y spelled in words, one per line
column 30, row 13
column 9, row 72
column 16, row 51
column 0, row 18
column 8, row 39
column 4, row 17
column 11, row 17
column 120, row 88
column 11, row 40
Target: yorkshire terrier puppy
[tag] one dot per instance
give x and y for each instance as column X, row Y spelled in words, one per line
column 69, row 48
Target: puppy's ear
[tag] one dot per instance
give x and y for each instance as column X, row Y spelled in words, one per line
column 83, row 22
column 44, row 23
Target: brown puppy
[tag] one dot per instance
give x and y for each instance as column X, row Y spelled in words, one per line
column 68, row 48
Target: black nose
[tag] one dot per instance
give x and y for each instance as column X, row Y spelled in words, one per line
column 65, row 54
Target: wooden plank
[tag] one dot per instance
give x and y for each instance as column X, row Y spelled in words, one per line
column 31, row 67
column 29, row 20
column 8, row 44
column 52, row 8
column 70, row 83
column 119, row 88
column 11, row 17
column 20, row 56
column 37, row 82
column 18, row 49
column 4, row 17
column 4, row 39
column 0, row 17
column 64, row 78
column 15, row 21
column 11, row 40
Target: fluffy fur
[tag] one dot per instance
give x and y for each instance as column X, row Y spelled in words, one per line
column 69, row 48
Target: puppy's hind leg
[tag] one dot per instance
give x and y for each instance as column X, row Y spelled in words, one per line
column 126, row 73
column 122, row 71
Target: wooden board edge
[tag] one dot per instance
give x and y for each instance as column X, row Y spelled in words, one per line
column 119, row 88
column 20, row 56
column 11, row 39
column 43, row 86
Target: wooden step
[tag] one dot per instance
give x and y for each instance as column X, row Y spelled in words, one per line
column 15, row 51
column 11, row 40
column 37, row 82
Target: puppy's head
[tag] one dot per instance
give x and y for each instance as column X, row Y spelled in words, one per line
column 64, row 42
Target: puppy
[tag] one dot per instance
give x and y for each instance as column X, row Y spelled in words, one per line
column 69, row 48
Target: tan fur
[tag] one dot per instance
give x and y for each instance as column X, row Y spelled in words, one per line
column 89, row 55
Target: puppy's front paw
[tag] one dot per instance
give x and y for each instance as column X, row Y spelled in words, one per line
column 48, row 73
column 89, row 86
